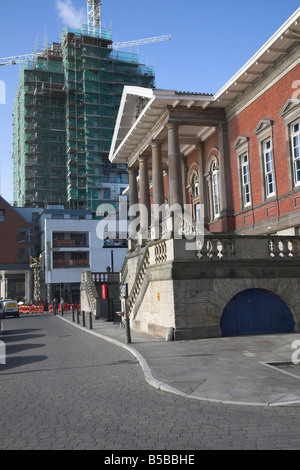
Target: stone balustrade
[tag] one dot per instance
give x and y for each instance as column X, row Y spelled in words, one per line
column 185, row 235
column 225, row 247
column 105, row 277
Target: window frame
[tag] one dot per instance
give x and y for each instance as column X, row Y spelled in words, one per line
column 245, row 164
column 290, row 115
column 242, row 149
column 295, row 171
column 194, row 190
column 264, row 132
column 195, row 185
column 268, row 151
column 216, row 199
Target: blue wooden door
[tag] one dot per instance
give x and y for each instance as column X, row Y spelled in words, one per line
column 254, row 312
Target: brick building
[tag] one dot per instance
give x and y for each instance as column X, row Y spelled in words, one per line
column 262, row 156
column 235, row 158
column 17, row 243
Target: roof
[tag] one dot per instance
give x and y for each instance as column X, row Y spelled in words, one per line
column 267, row 56
column 13, row 209
column 141, row 110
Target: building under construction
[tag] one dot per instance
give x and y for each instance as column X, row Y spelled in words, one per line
column 63, row 120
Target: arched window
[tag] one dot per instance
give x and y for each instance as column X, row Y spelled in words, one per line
column 195, row 185
column 215, row 188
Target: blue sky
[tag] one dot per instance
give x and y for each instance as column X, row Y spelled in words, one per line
column 210, row 42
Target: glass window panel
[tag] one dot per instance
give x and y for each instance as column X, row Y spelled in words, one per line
column 295, row 141
column 216, row 189
column 245, row 180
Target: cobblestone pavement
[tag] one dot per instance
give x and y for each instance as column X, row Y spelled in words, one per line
column 62, row 388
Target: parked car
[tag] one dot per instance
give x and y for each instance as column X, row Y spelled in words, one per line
column 9, row 308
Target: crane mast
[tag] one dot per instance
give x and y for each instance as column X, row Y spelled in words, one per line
column 94, row 14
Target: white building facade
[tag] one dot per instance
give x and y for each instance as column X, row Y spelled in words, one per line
column 70, row 246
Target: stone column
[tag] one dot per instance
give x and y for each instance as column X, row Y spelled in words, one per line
column 133, row 201
column 202, row 188
column 158, row 190
column 157, row 174
column 145, row 211
column 183, row 176
column 174, row 162
column 209, row 196
column 224, row 168
column 133, row 189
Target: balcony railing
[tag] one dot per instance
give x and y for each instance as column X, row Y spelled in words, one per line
column 70, row 263
column 26, row 239
column 70, row 243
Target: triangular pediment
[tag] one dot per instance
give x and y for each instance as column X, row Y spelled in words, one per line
column 262, row 125
column 242, row 139
column 133, row 102
column 289, row 106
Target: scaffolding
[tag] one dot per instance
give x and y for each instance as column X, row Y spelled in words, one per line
column 64, row 116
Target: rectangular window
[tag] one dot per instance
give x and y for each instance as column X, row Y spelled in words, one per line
column 104, row 193
column 24, row 254
column 269, row 168
column 197, row 212
column 2, row 215
column 216, row 193
column 295, row 142
column 245, row 180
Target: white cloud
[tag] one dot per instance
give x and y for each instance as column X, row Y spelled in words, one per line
column 68, row 13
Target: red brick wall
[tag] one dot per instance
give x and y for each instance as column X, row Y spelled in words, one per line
column 9, row 230
column 266, row 106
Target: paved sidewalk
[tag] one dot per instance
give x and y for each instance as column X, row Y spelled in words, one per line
column 252, row 370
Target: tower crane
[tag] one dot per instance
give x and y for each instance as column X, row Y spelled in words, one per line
column 94, row 24
column 94, row 13
column 141, row 42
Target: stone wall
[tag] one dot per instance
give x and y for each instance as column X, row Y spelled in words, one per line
column 200, row 303
column 189, row 290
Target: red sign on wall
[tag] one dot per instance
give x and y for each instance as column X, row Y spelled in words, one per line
column 104, row 291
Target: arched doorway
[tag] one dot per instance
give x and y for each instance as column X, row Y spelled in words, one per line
column 254, row 312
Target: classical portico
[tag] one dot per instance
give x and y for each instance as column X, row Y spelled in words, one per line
column 169, row 285
column 204, row 150
column 155, row 143
column 156, row 131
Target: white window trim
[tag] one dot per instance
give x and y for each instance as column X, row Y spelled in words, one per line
column 264, row 132
column 241, row 147
column 195, row 185
column 269, row 151
column 215, row 182
column 245, row 164
column 290, row 115
column 295, row 159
